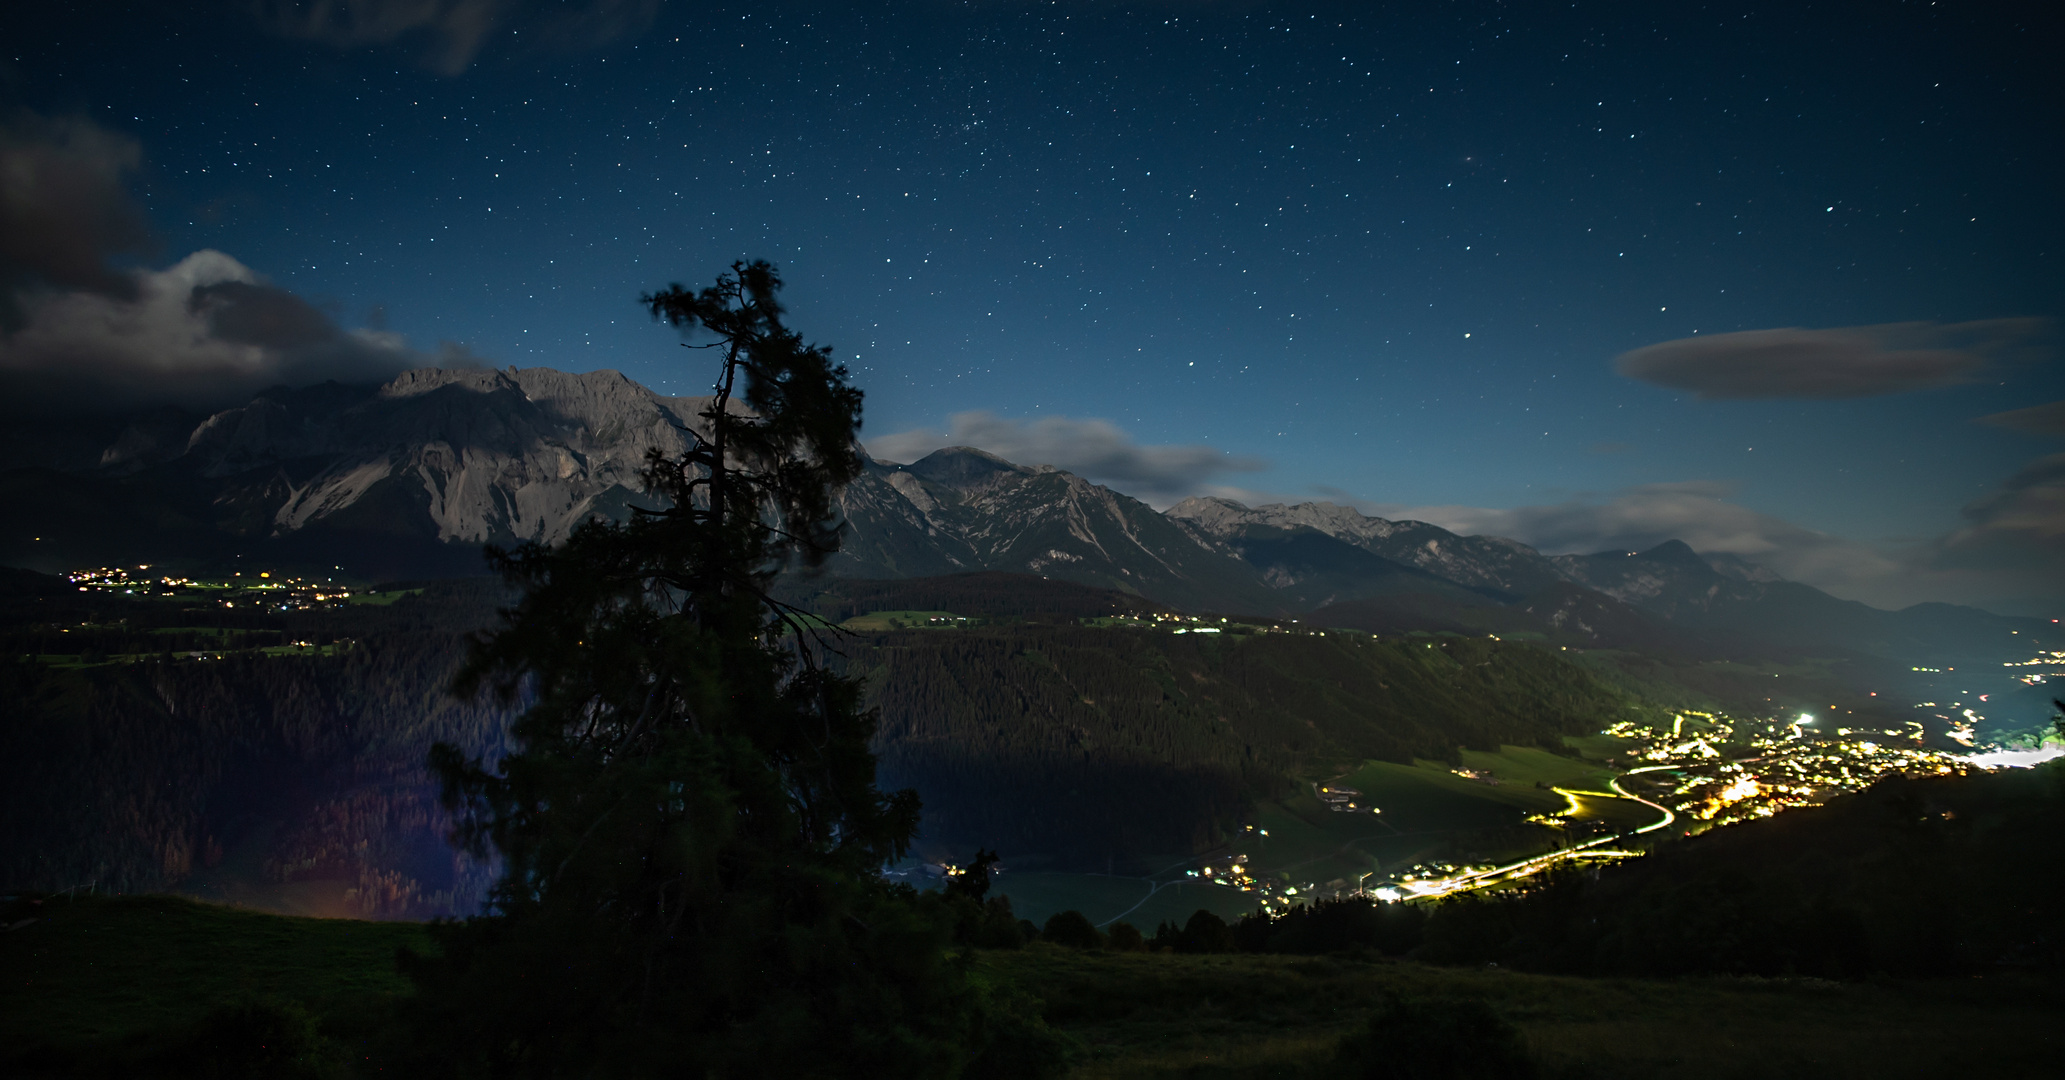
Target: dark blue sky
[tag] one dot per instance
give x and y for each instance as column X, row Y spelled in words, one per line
column 1382, row 255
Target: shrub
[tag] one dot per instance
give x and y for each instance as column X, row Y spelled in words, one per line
column 1071, row 929
column 1205, row 932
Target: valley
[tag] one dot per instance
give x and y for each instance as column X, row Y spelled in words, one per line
column 1110, row 746
column 1148, row 714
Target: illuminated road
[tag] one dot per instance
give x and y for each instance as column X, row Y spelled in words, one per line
column 1420, row 890
column 1427, row 889
column 1668, row 815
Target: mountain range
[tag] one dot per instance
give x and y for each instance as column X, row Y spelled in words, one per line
column 409, row 479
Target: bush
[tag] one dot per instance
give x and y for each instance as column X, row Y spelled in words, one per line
column 1125, row 937
column 254, row 1040
column 1073, row 930
column 1334, row 926
column 1017, row 1043
column 990, row 924
column 1452, row 1039
column 1204, row 932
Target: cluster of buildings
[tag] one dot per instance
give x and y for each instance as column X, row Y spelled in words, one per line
column 2052, row 661
column 1344, row 800
column 1714, row 770
column 264, row 589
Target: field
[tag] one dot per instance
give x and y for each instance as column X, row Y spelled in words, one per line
column 879, row 621
column 105, row 971
column 1429, row 815
column 92, row 979
column 1142, row 1016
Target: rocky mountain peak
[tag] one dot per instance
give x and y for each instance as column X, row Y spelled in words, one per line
column 1476, row 562
column 1740, row 569
column 443, row 457
column 1210, row 511
column 965, row 468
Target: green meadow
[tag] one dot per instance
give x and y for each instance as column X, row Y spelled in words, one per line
column 882, row 621
column 1429, row 814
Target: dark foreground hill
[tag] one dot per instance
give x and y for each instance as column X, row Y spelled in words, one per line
column 1936, row 876
column 154, row 986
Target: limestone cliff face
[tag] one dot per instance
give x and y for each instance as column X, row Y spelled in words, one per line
column 406, row 479
column 962, row 509
column 485, row 456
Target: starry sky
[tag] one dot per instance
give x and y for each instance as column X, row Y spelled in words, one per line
column 1780, row 282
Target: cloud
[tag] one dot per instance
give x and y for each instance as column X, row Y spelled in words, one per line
column 1697, row 512
column 81, row 335
column 451, row 33
column 64, row 211
column 1094, row 449
column 2012, row 546
column 204, row 333
column 2046, row 419
column 2008, row 555
column 1845, row 362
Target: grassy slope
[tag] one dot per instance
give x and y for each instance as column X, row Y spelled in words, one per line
column 1913, row 875
column 1430, row 814
column 107, row 970
column 1197, row 1016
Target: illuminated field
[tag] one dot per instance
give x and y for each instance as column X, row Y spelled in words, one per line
column 877, row 621
column 1297, row 848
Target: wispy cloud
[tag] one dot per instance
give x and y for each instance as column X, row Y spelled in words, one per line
column 1844, row 362
column 1095, row 449
column 2046, row 419
column 2008, row 555
column 450, row 34
column 1696, row 512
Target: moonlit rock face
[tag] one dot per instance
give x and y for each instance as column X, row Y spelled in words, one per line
column 436, row 458
column 961, row 509
column 489, row 456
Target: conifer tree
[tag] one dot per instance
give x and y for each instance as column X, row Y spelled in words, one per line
column 688, row 825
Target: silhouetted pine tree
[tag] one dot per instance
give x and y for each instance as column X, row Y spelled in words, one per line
column 689, row 826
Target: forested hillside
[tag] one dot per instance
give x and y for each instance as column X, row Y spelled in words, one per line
column 1045, row 729
column 986, row 593
column 129, row 764
column 1086, row 746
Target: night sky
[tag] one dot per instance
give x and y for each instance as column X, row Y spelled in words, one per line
column 1400, row 258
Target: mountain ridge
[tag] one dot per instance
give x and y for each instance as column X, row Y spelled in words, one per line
column 412, row 477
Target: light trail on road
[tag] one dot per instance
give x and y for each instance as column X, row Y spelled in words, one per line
column 1528, row 866
column 1669, row 815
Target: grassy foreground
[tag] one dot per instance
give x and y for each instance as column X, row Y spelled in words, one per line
column 95, row 980
column 101, row 980
column 1281, row 1016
